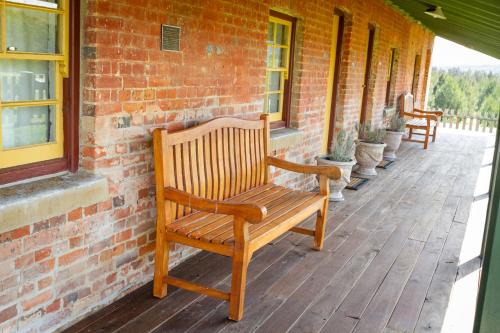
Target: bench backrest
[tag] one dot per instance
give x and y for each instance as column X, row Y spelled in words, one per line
column 406, row 103
column 215, row 160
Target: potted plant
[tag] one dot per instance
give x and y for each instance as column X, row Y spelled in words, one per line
column 342, row 156
column 393, row 136
column 369, row 149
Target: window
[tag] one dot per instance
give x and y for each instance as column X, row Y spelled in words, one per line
column 280, row 39
column 389, row 98
column 34, row 68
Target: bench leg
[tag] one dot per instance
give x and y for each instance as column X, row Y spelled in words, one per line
column 434, row 135
column 319, row 234
column 426, row 140
column 161, row 267
column 410, row 133
column 241, row 259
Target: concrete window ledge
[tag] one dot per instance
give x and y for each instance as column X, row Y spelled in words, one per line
column 27, row 203
column 285, row 138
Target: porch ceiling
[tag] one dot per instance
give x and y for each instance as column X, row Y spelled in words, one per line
column 472, row 23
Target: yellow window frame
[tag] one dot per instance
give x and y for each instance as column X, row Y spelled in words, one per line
column 12, row 157
column 277, row 116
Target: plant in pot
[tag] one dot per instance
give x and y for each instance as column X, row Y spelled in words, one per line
column 393, row 136
column 342, row 156
column 369, row 149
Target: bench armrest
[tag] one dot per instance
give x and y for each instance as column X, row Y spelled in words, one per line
column 250, row 212
column 421, row 116
column 436, row 113
column 331, row 172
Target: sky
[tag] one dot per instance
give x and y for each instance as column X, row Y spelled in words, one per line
column 448, row 54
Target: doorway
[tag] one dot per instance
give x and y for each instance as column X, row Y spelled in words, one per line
column 416, row 76
column 333, row 79
column 368, row 70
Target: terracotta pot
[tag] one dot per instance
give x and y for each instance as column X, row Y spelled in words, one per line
column 336, row 186
column 393, row 141
column 368, row 155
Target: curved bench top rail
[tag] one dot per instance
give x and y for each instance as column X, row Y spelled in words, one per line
column 198, row 131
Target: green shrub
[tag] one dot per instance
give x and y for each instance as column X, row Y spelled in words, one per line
column 397, row 123
column 369, row 135
column 342, row 148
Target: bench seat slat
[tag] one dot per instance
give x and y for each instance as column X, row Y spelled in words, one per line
column 297, row 203
column 273, row 207
column 188, row 220
column 216, row 236
column 210, row 221
column 311, row 204
column 282, row 204
column 221, row 220
column 419, row 122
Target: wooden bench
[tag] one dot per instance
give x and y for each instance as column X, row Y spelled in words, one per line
column 417, row 119
column 213, row 193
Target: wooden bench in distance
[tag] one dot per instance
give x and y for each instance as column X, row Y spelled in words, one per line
column 416, row 119
column 213, row 193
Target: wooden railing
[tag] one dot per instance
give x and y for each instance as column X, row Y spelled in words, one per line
column 472, row 121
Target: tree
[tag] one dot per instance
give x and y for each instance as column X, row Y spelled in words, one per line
column 447, row 94
column 465, row 91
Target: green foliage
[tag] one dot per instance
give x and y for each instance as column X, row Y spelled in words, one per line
column 342, row 148
column 371, row 135
column 465, row 91
column 397, row 123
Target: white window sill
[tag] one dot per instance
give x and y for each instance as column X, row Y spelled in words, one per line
column 285, row 138
column 26, row 203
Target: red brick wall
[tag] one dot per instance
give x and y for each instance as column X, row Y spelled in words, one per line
column 55, row 271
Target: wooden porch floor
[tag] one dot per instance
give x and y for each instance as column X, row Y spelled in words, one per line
column 389, row 264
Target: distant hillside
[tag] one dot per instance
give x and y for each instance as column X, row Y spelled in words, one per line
column 495, row 69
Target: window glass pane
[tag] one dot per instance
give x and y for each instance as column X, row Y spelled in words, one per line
column 269, row 59
column 270, row 32
column 32, row 31
column 27, row 80
column 282, row 34
column 281, row 58
column 273, row 101
column 277, row 57
column 24, row 126
column 53, row 4
column 274, row 81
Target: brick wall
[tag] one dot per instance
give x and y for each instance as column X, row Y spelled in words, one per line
column 55, row 271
